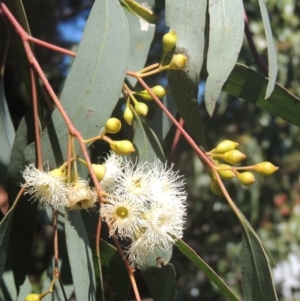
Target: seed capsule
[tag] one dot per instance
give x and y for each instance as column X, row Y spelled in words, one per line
column 113, row 125
column 265, row 168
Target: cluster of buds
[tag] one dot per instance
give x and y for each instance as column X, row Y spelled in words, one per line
column 227, row 152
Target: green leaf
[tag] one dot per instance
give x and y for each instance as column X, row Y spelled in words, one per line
column 94, row 83
column 272, row 57
column 146, row 142
column 188, row 19
column 80, row 257
column 141, row 36
column 7, row 134
column 226, row 29
column 256, row 276
column 246, row 83
column 206, row 269
column 161, row 282
column 114, row 271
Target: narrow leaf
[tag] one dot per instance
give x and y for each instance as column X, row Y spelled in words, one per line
column 80, row 257
column 187, row 18
column 7, row 134
column 226, row 28
column 246, row 83
column 161, row 282
column 140, row 10
column 272, row 57
column 206, row 269
column 146, row 142
column 88, row 96
column 256, row 277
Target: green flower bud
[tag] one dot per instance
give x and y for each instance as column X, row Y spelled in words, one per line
column 265, row 168
column 169, row 41
column 58, row 173
column 141, row 108
column 215, row 188
column 99, row 171
column 158, row 91
column 225, row 171
column 113, row 125
column 225, row 146
column 128, row 115
column 33, row 297
column 246, row 178
column 122, row 147
column 233, row 157
column 178, row 62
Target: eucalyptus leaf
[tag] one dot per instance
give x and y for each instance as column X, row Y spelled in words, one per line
column 7, row 134
column 80, row 257
column 146, row 142
column 206, row 269
column 94, row 83
column 140, row 10
column 161, row 282
column 188, row 18
column 272, row 57
column 226, row 29
column 256, row 277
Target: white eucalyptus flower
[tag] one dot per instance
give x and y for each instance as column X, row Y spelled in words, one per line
column 46, row 187
column 123, row 215
column 80, row 195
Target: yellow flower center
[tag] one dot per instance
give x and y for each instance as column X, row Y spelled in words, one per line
column 122, row 212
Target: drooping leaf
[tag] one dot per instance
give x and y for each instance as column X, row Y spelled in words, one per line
column 226, row 29
column 206, row 269
column 80, row 257
column 7, row 134
column 272, row 57
column 246, row 83
column 161, row 282
column 114, row 271
column 24, row 215
column 256, row 276
column 188, row 19
column 94, row 83
column 141, row 35
column 146, row 142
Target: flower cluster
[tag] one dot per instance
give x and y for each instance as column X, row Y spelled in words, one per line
column 146, row 203
column 50, row 188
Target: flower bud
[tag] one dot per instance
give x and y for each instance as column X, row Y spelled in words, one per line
column 58, row 173
column 225, row 146
column 141, row 108
column 122, row 147
column 128, row 115
column 178, row 62
column 246, row 178
column 99, row 171
column 265, row 168
column 225, row 171
column 234, row 156
column 169, row 41
column 113, row 125
column 158, row 91
column 33, row 297
column 215, row 188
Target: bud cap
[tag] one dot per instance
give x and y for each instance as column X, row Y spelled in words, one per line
column 113, row 125
column 122, row 147
column 246, row 178
column 234, row 156
column 265, row 168
column 178, row 62
column 225, row 146
column 169, row 41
